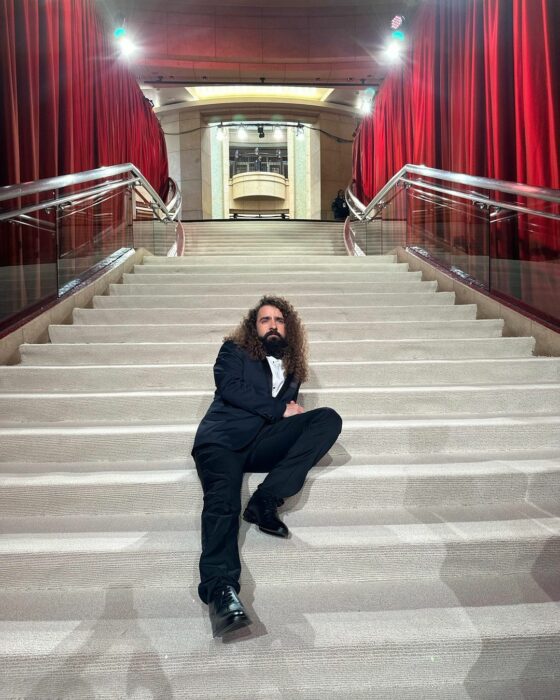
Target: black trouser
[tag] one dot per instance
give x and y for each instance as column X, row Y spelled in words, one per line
column 286, row 450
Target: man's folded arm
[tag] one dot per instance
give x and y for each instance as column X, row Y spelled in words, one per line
column 228, row 373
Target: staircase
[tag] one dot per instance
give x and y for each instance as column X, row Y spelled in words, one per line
column 426, row 547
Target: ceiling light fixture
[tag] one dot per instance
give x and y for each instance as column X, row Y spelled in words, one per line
column 364, row 105
column 365, row 102
column 125, row 45
column 127, row 48
column 393, row 50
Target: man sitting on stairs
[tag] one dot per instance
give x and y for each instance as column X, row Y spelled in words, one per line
column 254, row 424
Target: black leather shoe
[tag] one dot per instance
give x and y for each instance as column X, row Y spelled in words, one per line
column 227, row 613
column 261, row 510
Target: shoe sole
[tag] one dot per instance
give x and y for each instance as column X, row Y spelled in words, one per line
column 233, row 623
column 262, row 529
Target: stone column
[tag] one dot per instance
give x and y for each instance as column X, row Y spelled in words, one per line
column 191, row 171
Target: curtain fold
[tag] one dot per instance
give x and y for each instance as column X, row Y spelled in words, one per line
column 478, row 91
column 68, row 102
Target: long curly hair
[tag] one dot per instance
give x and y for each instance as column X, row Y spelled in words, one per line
column 295, row 357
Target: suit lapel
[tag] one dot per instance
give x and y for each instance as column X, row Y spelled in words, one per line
column 287, row 384
column 268, row 375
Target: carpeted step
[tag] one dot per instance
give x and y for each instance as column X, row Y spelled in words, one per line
column 191, row 287
column 372, row 596
column 437, row 312
column 249, row 267
column 267, row 260
column 174, row 521
column 429, row 492
column 384, row 438
column 432, row 648
column 326, row 351
column 190, row 405
column 425, row 546
column 357, row 553
column 287, row 277
column 319, row 331
column 246, row 301
column 320, row 249
column 107, row 378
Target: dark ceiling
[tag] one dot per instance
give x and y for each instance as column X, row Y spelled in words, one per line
column 300, row 42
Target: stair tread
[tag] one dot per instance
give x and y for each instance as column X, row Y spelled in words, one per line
column 457, row 538
column 356, row 468
column 398, row 529
column 373, row 596
column 354, row 423
column 376, row 628
column 481, row 389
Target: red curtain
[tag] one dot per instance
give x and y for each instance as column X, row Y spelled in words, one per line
column 68, row 102
column 536, row 70
column 478, row 92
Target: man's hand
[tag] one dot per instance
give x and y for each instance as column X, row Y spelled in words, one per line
column 292, row 409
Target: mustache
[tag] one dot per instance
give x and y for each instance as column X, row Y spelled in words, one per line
column 267, row 335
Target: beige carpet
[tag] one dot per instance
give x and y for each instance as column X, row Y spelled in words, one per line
column 426, row 547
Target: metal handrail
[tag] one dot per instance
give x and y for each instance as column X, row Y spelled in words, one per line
column 164, row 212
column 362, row 212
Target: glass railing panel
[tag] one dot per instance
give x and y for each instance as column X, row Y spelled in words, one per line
column 359, row 230
column 91, row 230
column 374, row 236
column 28, row 262
column 452, row 230
column 503, row 237
column 525, row 262
column 387, row 229
column 57, row 232
column 392, row 223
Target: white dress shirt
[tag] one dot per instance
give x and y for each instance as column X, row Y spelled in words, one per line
column 278, row 374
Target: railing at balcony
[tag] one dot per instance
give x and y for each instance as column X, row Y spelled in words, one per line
column 57, row 232
column 267, row 185
column 500, row 237
column 266, row 161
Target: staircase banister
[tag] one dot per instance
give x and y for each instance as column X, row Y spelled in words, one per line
column 479, row 198
column 515, row 188
column 167, row 212
column 354, row 204
column 67, row 199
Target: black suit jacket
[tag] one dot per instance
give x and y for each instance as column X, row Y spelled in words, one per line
column 243, row 402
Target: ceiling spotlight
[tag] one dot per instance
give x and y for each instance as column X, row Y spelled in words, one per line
column 260, row 131
column 277, row 133
column 127, row 48
column 393, row 50
column 242, row 133
column 365, row 101
column 299, row 131
column 364, row 105
column 397, row 21
column 220, row 133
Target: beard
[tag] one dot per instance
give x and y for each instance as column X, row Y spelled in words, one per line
column 274, row 344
